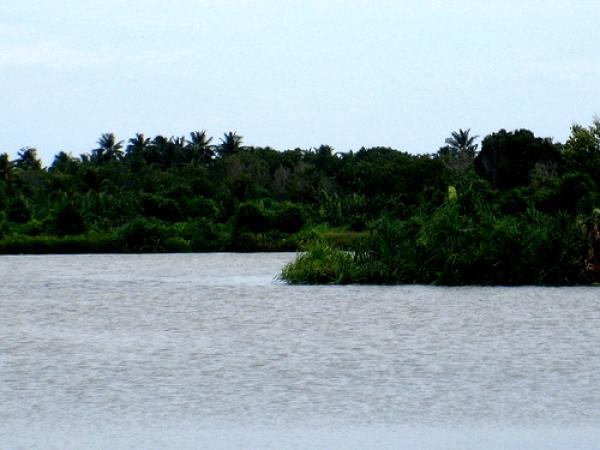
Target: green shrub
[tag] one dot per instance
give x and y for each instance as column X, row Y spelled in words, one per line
column 455, row 247
column 320, row 264
column 142, row 235
column 290, row 218
column 251, row 216
column 202, row 208
column 69, row 221
column 207, row 236
column 176, row 244
column 244, row 241
column 18, row 211
column 32, row 228
column 161, row 208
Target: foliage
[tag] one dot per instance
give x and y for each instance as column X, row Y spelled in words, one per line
column 510, row 214
column 463, row 242
column 290, row 218
column 507, row 158
column 108, row 149
column 252, row 216
column 69, row 221
column 459, row 153
column 322, row 263
column 230, row 144
column 27, row 159
column 18, row 211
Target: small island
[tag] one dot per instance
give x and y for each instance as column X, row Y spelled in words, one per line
column 518, row 209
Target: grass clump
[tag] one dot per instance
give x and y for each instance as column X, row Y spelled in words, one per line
column 322, row 263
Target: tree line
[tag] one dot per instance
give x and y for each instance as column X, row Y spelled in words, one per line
column 521, row 210
column 190, row 193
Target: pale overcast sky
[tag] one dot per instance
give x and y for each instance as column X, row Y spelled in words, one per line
column 348, row 73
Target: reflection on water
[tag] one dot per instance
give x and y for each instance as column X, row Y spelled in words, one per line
column 175, row 351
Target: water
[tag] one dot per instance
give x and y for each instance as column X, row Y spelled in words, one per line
column 210, row 351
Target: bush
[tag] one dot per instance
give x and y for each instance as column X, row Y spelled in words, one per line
column 202, row 208
column 576, row 193
column 176, row 244
column 455, row 247
column 244, row 241
column 18, row 211
column 290, row 218
column 320, row 264
column 69, row 221
column 514, row 201
column 142, row 235
column 161, row 208
column 252, row 217
column 207, row 236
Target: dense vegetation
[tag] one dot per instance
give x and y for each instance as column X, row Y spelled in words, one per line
column 521, row 211
column 188, row 194
column 518, row 211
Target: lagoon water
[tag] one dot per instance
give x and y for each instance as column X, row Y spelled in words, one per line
column 210, row 351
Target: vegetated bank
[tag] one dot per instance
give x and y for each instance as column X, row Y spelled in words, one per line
column 456, row 245
column 183, row 194
column 519, row 211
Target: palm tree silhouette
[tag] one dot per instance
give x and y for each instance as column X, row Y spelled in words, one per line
column 138, row 144
column 65, row 163
column 179, row 141
column 230, row 143
column 460, row 142
column 27, row 159
column 199, row 147
column 138, row 150
column 108, row 149
column 164, row 151
column 459, row 152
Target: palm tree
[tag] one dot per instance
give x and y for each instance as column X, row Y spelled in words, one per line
column 137, row 151
column 108, row 149
column 460, row 142
column 177, row 150
column 179, row 141
column 199, row 147
column 230, row 144
column 459, row 152
column 200, row 138
column 65, row 163
column 165, row 151
column 27, row 159
column 137, row 145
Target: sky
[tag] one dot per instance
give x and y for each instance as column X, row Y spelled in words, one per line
column 284, row 73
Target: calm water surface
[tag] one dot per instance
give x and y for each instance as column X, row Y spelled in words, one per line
column 197, row 351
